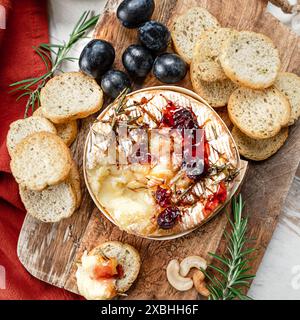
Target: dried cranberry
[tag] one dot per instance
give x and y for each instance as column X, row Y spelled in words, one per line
column 163, row 197
column 168, row 218
column 184, row 119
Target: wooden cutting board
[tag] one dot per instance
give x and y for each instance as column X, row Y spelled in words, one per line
column 50, row 251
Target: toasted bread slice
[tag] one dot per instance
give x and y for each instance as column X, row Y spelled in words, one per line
column 127, row 256
column 258, row 150
column 260, row 114
column 67, row 131
column 20, row 129
column 40, row 160
column 216, row 93
column 289, row 85
column 51, row 204
column 74, row 179
column 206, row 54
column 250, row 59
column 70, row 96
column 188, row 27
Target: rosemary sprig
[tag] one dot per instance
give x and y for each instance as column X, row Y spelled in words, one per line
column 230, row 278
column 53, row 55
column 120, row 107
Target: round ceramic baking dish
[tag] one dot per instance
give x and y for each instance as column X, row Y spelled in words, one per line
column 234, row 188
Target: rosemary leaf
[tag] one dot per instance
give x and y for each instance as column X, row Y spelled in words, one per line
column 228, row 280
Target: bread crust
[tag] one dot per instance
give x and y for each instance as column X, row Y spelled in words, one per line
column 259, row 150
column 25, row 197
column 294, row 103
column 67, row 131
column 74, row 179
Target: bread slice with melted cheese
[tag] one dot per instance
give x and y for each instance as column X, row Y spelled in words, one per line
column 103, row 289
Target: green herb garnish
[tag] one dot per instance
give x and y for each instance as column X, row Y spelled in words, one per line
column 228, row 280
column 31, row 87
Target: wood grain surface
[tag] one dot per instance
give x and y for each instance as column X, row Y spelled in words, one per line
column 50, row 251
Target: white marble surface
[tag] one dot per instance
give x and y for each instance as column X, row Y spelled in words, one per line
column 279, row 274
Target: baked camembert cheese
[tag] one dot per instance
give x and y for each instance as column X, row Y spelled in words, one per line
column 160, row 162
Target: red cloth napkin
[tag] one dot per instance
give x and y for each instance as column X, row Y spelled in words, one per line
column 26, row 26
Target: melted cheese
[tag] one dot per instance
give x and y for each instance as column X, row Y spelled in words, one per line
column 93, row 289
column 124, row 194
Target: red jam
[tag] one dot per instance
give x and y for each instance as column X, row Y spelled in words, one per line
column 107, row 269
column 120, row 271
column 168, row 115
column 215, row 199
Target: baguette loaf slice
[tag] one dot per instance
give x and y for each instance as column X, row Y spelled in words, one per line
column 188, row 27
column 127, row 256
column 40, row 160
column 216, row 93
column 67, row 131
column 260, row 114
column 51, row 204
column 70, row 96
column 289, row 85
column 258, row 150
column 206, row 54
column 250, row 59
column 20, row 129
column 74, row 179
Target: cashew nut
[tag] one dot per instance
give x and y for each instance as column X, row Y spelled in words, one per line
column 175, row 279
column 192, row 262
column 199, row 283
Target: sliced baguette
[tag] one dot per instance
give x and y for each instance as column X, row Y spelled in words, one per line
column 70, row 96
column 206, row 54
column 188, row 27
column 40, row 160
column 51, row 204
column 74, row 179
column 289, row 85
column 258, row 150
column 20, row 129
column 67, row 131
column 250, row 59
column 127, row 256
column 216, row 93
column 260, row 114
